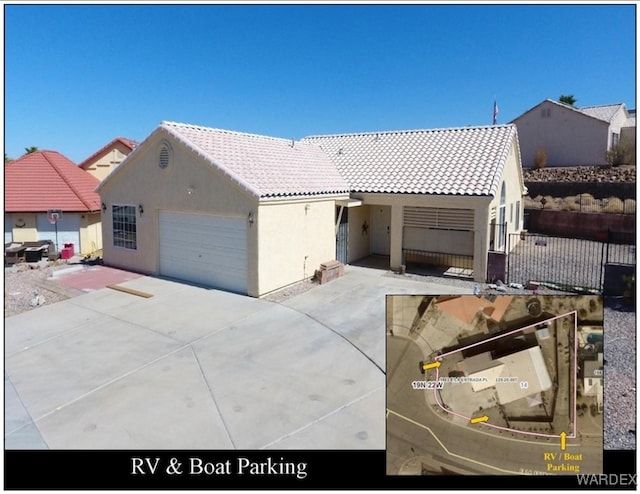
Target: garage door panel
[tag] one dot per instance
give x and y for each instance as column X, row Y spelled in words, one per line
column 206, row 249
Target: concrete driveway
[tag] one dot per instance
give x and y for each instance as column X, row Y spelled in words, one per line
column 193, row 368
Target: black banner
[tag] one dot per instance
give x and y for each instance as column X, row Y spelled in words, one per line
column 235, row 469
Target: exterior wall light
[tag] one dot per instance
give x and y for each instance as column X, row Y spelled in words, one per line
column 104, row 207
column 250, row 219
column 141, row 209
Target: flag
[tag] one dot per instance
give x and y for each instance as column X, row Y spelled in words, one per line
column 495, row 112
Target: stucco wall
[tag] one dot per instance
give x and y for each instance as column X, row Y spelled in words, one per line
column 26, row 233
column 188, row 185
column 512, row 180
column 569, row 138
column 104, row 164
column 293, row 240
column 90, row 233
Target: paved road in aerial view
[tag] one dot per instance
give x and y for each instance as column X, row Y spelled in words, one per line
column 416, row 430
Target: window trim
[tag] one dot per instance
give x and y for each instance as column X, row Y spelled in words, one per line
column 135, row 227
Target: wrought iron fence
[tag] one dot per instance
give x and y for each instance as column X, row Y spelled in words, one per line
column 585, row 203
column 436, row 259
column 621, row 248
column 570, row 263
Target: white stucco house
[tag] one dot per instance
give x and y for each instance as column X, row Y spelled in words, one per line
column 253, row 214
column 573, row 136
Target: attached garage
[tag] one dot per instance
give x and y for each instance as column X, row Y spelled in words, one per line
column 205, row 249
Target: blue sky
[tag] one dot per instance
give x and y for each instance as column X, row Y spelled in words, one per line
column 77, row 76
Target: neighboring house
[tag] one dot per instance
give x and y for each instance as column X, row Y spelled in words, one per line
column 572, row 136
column 105, row 160
column 252, row 214
column 45, row 180
column 593, row 372
column 467, row 309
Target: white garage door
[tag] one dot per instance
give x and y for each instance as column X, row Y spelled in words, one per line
column 68, row 230
column 206, row 249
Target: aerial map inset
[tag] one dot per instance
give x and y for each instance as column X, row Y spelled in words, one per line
column 494, row 384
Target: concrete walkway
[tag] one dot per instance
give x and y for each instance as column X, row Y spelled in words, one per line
column 193, row 368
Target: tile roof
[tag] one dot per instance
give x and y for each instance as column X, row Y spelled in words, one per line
column 123, row 140
column 455, row 161
column 601, row 112
column 265, row 166
column 46, row 180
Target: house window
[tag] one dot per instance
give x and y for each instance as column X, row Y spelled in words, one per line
column 502, row 218
column 124, row 226
column 615, row 138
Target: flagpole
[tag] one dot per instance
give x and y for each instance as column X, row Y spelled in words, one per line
column 495, row 111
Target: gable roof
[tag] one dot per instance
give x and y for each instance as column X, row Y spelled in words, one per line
column 267, row 167
column 46, row 180
column 122, row 140
column 466, row 161
column 603, row 113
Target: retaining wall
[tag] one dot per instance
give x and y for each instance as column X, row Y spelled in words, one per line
column 574, row 224
column 599, row 190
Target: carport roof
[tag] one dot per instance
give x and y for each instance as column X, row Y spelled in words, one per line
column 465, row 161
column 267, row 167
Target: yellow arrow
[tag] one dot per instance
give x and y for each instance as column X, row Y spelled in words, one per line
column 563, row 441
column 477, row 420
column 432, row 365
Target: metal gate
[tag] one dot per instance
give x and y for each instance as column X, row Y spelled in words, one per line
column 342, row 237
column 570, row 264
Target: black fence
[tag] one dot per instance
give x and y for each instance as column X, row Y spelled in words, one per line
column 583, row 203
column 568, row 263
column 621, row 248
column 436, row 259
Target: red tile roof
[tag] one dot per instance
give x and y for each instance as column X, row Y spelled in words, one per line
column 127, row 142
column 48, row 180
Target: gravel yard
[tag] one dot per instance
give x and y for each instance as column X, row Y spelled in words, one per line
column 27, row 287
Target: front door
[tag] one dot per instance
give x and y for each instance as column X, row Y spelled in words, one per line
column 381, row 230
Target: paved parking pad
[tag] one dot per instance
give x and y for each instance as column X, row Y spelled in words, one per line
column 195, row 368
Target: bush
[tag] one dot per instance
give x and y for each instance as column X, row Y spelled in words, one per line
column 614, row 205
column 619, row 155
column 540, row 159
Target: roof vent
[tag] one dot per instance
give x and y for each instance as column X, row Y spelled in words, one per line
column 340, row 151
column 164, row 156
